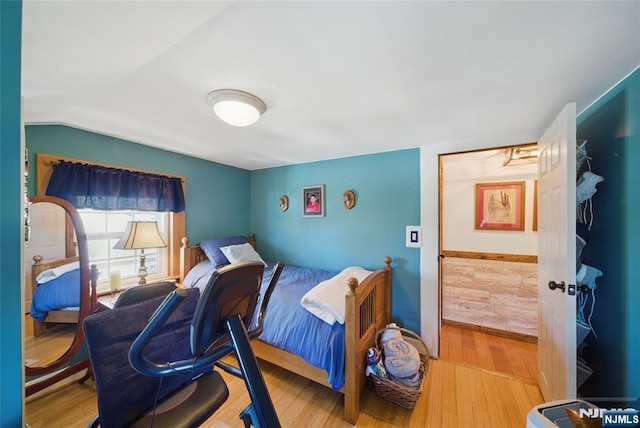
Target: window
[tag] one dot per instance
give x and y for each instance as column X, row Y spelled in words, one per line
column 104, row 229
column 172, row 224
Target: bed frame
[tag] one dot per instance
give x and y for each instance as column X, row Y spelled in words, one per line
column 367, row 310
column 60, row 316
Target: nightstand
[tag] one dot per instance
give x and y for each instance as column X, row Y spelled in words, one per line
column 106, row 302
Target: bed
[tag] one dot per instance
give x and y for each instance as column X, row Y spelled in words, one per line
column 367, row 309
column 56, row 292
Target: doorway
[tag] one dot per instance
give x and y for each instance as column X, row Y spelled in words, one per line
column 488, row 272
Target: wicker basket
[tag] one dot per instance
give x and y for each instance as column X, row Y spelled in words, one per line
column 393, row 391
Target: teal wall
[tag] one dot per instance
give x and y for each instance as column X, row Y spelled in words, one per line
column 387, row 188
column 10, row 216
column 217, row 196
column 632, row 227
column 612, row 127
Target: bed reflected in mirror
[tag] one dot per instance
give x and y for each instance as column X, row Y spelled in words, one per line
column 57, row 289
column 51, row 273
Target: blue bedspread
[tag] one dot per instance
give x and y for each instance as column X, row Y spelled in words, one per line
column 289, row 326
column 62, row 292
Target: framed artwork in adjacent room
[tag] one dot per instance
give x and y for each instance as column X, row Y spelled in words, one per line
column 500, row 206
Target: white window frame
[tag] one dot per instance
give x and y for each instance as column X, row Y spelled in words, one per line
column 108, row 264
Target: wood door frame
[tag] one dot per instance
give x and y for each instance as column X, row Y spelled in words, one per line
column 430, row 220
column 474, row 255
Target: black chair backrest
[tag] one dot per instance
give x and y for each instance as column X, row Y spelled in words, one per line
column 232, row 292
column 144, row 292
column 232, row 289
column 122, row 392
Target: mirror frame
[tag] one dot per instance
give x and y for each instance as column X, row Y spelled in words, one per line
column 85, row 294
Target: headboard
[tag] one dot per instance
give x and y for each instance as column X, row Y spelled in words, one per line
column 191, row 256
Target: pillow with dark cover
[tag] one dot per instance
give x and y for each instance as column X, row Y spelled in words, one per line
column 123, row 392
column 211, row 248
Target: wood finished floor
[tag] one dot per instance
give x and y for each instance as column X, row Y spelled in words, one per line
column 456, row 394
column 504, row 355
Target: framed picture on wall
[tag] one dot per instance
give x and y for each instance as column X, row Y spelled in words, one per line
column 313, row 201
column 500, row 206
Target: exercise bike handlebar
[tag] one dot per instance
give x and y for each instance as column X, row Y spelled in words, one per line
column 150, row 368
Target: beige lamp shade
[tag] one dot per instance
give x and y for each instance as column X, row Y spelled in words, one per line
column 140, row 235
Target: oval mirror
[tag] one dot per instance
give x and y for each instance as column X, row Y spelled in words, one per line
column 57, row 287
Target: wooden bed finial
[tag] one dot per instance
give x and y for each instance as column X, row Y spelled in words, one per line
column 252, row 239
column 387, row 262
column 353, row 284
column 37, row 259
column 185, row 242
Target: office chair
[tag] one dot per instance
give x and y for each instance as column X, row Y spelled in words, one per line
column 164, row 383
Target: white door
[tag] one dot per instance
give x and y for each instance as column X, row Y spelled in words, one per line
column 557, row 258
column 47, row 239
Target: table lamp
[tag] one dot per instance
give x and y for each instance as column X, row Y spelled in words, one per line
column 139, row 235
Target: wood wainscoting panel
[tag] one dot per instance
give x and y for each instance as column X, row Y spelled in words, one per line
column 497, row 294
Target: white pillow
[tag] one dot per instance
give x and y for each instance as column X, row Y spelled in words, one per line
column 326, row 300
column 241, row 253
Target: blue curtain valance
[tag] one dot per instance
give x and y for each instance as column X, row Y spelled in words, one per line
column 99, row 187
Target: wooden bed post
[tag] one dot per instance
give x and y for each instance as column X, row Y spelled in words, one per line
column 189, row 258
column 351, row 387
column 185, row 263
column 38, row 327
column 367, row 310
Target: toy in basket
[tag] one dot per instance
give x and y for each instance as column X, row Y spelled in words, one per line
column 397, row 364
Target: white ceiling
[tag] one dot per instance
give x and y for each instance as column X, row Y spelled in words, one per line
column 339, row 78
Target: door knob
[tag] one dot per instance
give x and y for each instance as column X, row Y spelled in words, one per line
column 553, row 285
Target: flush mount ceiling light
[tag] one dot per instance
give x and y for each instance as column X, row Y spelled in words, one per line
column 235, row 107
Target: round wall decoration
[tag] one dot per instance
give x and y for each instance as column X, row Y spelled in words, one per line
column 284, row 203
column 349, row 199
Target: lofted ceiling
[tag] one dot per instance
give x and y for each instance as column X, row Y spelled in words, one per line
column 339, row 78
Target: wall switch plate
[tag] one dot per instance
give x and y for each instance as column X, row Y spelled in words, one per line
column 414, row 236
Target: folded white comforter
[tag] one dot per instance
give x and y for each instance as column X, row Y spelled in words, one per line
column 326, row 300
